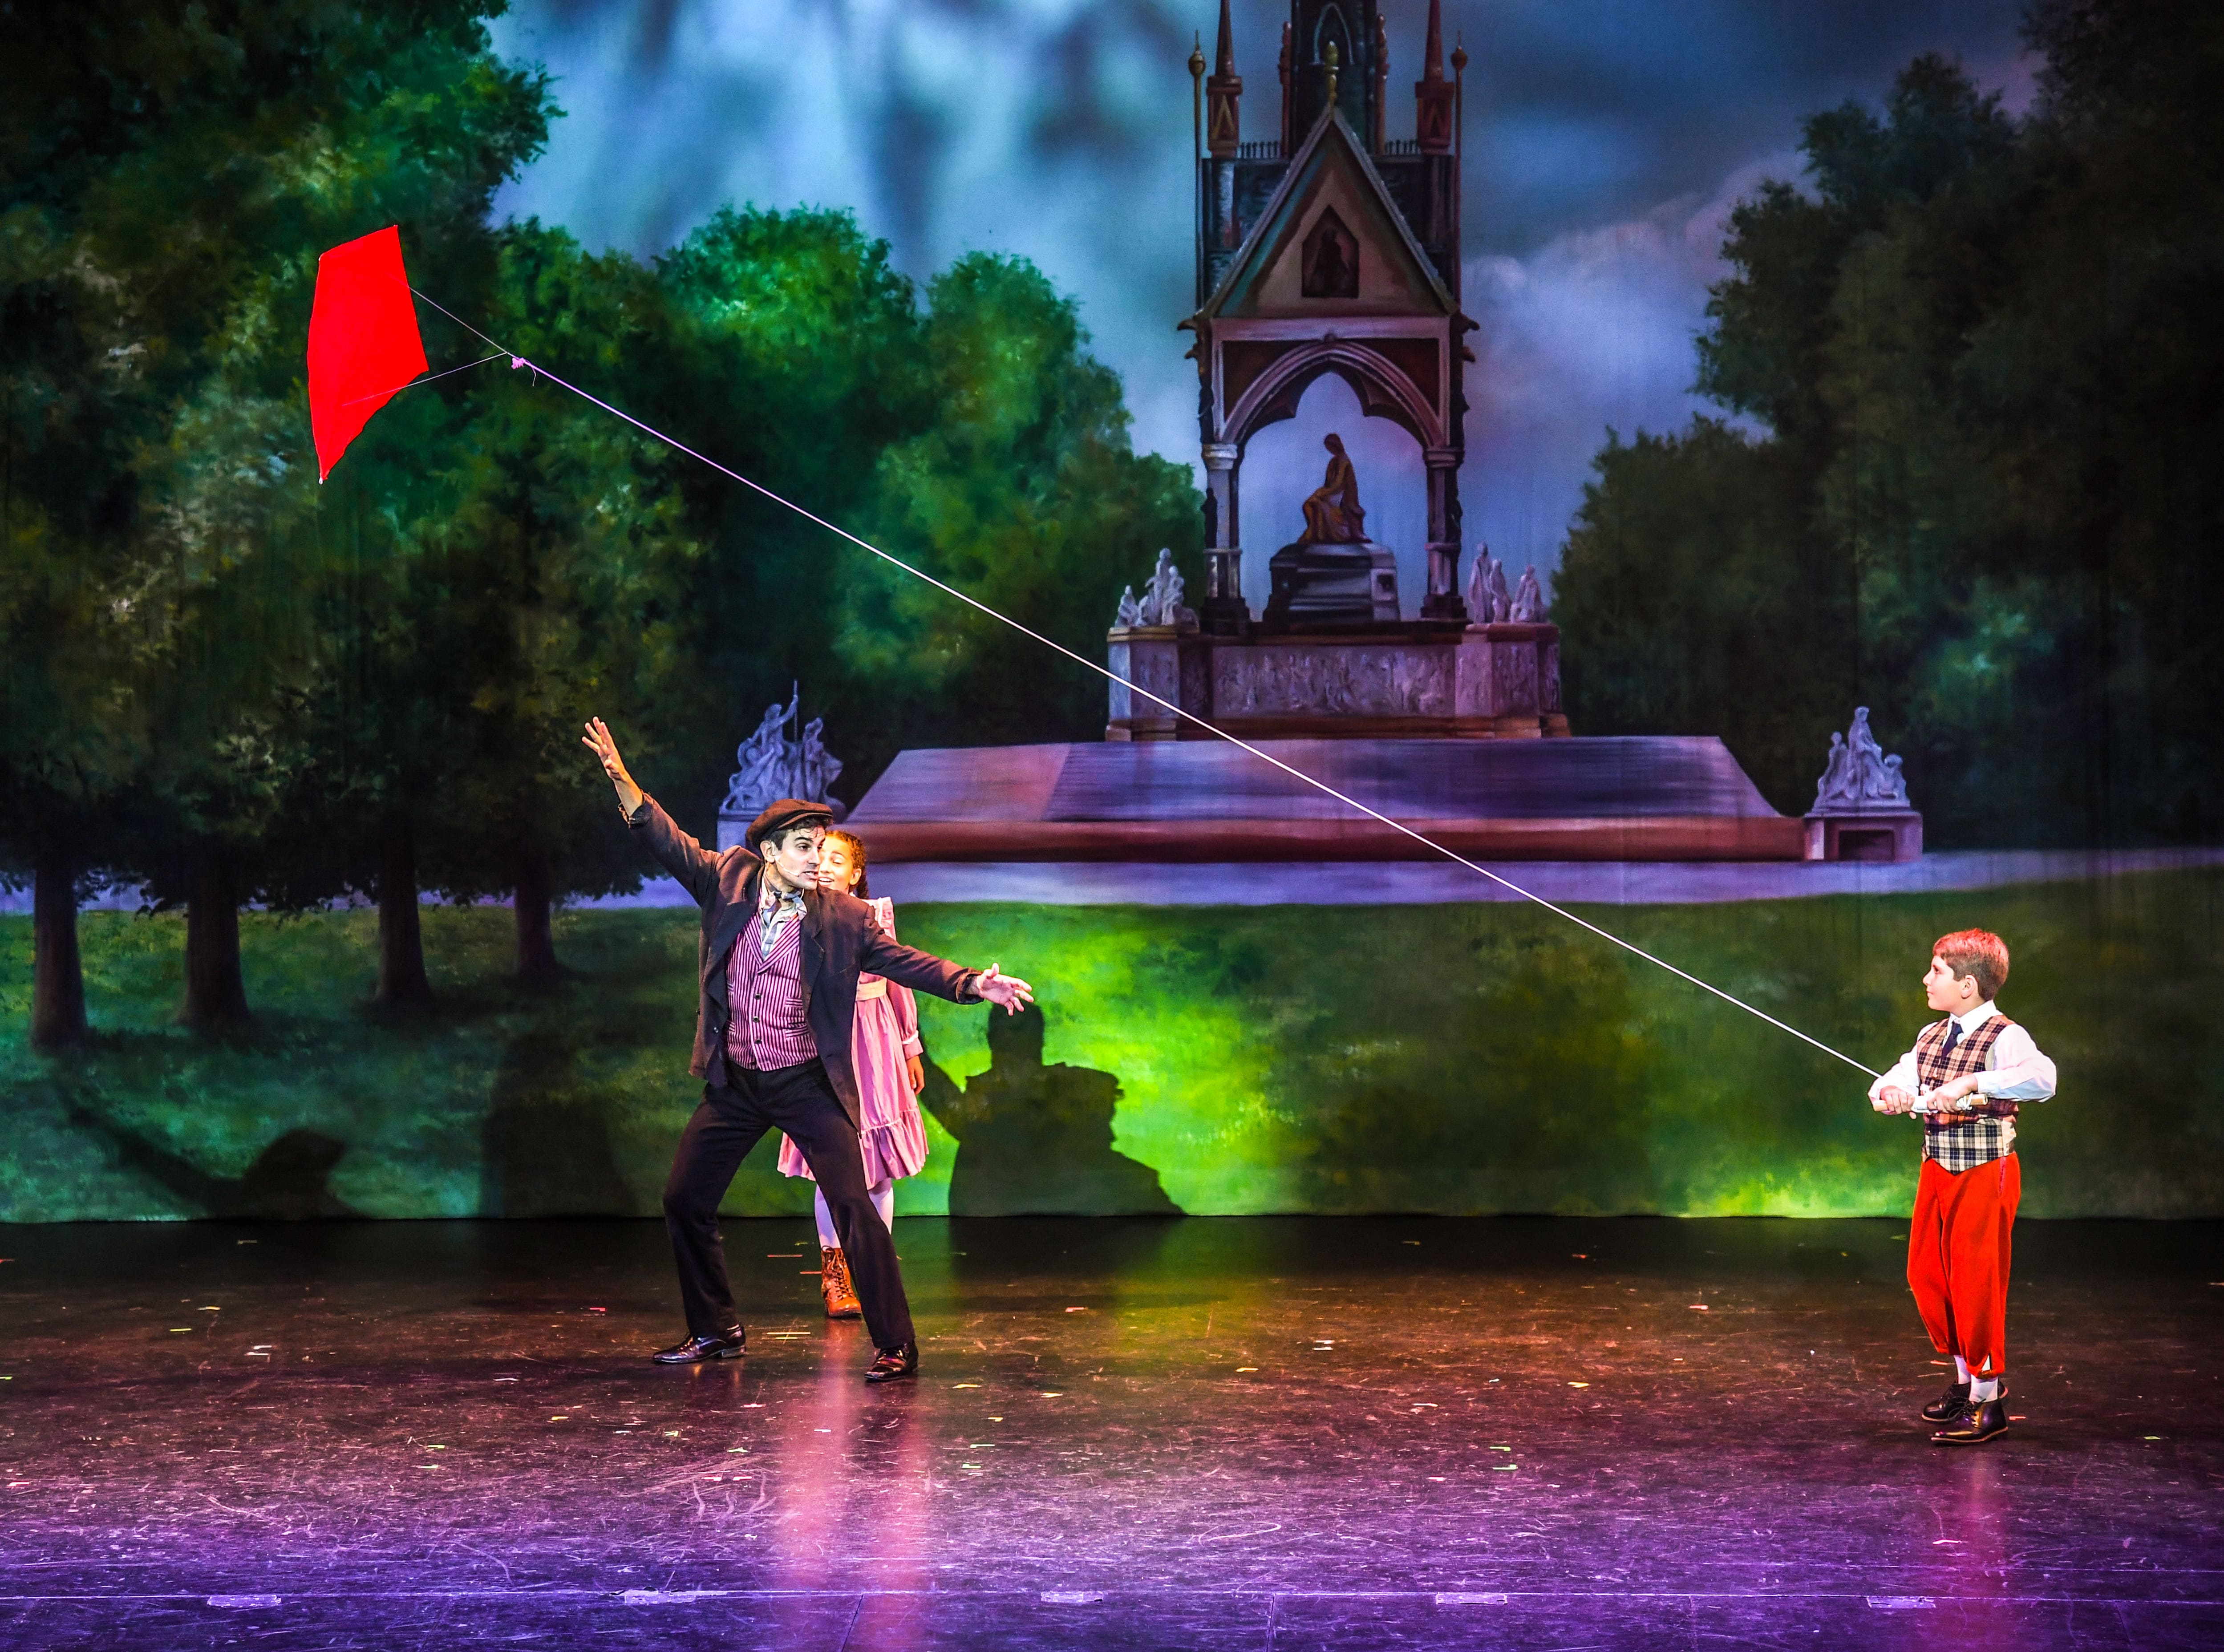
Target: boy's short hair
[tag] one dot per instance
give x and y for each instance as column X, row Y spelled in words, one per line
column 1975, row 952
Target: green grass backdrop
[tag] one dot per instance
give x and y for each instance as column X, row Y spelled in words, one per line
column 1218, row 1060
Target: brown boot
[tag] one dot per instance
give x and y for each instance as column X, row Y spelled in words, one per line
column 842, row 1302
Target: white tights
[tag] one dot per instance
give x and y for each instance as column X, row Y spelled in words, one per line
column 884, row 1200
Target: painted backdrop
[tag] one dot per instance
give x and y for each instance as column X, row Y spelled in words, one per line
column 1846, row 354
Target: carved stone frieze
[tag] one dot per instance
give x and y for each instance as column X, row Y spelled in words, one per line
column 1332, row 680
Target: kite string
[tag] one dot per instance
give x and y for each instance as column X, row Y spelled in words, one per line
column 517, row 360
column 386, row 395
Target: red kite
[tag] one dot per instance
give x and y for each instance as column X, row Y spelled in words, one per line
column 363, row 343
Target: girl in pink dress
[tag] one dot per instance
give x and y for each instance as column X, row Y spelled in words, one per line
column 884, row 1046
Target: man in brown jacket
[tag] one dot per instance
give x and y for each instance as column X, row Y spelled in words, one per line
column 779, row 965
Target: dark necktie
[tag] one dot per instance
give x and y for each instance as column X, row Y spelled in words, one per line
column 1953, row 1037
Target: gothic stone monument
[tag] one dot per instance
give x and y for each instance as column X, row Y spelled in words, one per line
column 1330, row 247
column 1334, row 247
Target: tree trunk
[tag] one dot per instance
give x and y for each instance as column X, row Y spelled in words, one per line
column 216, row 996
column 402, row 981
column 57, row 978
column 536, row 940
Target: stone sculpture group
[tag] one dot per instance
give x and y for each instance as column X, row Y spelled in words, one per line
column 1488, row 602
column 1860, row 775
column 1162, row 599
column 774, row 767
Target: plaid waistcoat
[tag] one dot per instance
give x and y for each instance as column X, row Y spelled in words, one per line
column 1963, row 1142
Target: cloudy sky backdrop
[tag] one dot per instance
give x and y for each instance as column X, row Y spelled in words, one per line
column 1605, row 141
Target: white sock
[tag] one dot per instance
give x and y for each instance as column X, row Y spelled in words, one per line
column 1960, row 1366
column 1983, row 1390
column 883, row 1194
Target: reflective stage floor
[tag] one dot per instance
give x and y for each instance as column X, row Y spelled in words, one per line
column 1255, row 1433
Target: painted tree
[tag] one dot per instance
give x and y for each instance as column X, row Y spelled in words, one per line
column 798, row 363
column 1022, row 489
column 973, row 435
column 551, row 575
column 1984, row 357
column 167, row 172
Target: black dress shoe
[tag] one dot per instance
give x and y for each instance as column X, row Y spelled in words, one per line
column 727, row 1345
column 1977, row 1424
column 892, row 1365
column 1947, row 1406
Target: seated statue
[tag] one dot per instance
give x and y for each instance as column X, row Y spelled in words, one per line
column 1333, row 516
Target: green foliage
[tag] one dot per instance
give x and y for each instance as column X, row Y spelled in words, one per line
column 167, row 174
column 1986, row 355
column 1510, row 1064
column 974, row 437
column 1705, row 535
column 546, row 581
column 1024, row 493
column 795, row 361
column 228, row 682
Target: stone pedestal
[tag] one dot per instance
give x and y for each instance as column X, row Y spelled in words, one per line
column 1481, row 682
column 1170, row 661
column 1866, row 834
column 1510, row 679
column 1331, row 587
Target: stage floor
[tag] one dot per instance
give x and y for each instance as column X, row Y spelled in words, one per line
column 1256, row 1433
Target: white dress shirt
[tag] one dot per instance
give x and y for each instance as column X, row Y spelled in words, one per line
column 2015, row 1070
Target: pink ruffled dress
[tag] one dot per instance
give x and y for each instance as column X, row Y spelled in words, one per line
column 886, row 1033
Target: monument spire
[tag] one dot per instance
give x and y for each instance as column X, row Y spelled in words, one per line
column 1223, row 125
column 1289, row 137
column 1432, row 93
column 1377, row 129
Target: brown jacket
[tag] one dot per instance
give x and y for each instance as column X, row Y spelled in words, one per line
column 839, row 943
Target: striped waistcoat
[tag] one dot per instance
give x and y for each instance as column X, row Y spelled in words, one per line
column 769, row 1026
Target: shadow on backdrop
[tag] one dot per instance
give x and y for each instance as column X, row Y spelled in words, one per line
column 1035, row 1138
column 289, row 1181
column 545, row 1146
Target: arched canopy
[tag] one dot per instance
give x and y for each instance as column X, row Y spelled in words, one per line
column 1385, row 391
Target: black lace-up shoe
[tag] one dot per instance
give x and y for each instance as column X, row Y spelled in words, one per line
column 1977, row 1424
column 727, row 1345
column 1947, row 1406
column 893, row 1365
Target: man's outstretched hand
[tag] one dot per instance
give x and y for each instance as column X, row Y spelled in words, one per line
column 996, row 987
column 598, row 740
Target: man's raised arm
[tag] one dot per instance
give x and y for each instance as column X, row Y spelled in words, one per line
column 695, row 866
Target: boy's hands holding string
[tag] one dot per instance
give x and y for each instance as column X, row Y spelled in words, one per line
column 1893, row 1099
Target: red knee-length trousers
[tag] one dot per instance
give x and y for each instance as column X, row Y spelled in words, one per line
column 1957, row 1258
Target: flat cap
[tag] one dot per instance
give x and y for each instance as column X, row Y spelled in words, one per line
column 786, row 812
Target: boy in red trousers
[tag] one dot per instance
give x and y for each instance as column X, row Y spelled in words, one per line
column 1965, row 1078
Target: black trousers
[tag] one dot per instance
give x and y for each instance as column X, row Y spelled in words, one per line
column 731, row 1120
